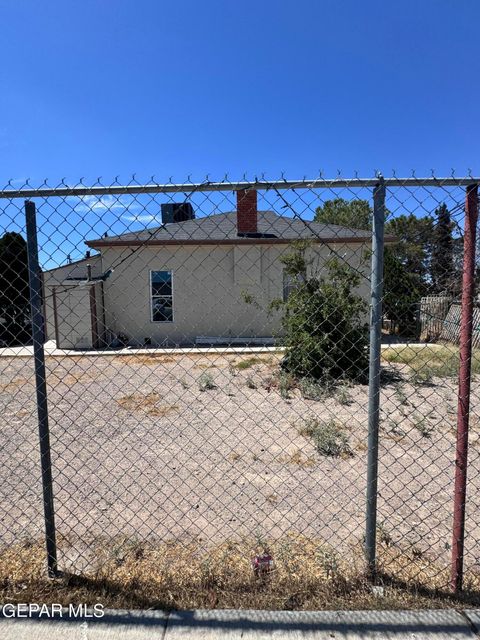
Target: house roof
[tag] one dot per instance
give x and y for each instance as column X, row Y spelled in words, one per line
column 221, row 228
column 92, row 260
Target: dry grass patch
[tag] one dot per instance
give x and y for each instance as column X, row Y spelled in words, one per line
column 23, row 412
column 251, row 362
column 148, row 404
column 297, row 458
column 308, row 574
column 71, row 379
column 13, row 384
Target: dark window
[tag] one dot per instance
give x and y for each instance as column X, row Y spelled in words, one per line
column 161, row 292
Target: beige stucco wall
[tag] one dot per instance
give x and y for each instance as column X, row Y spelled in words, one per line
column 208, row 286
column 73, row 312
column 74, row 318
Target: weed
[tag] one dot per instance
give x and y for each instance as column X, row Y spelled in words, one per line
column 401, row 395
column 329, row 438
column 422, row 425
column 422, row 376
column 286, row 382
column 328, row 560
column 342, row 395
column 384, row 536
column 250, row 382
column 311, row 389
column 250, row 362
column 205, row 382
column 394, row 431
column 317, row 389
column 184, row 383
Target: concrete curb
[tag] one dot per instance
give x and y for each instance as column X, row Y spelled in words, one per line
column 441, row 624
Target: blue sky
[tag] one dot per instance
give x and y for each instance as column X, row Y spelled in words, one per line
column 187, row 88
column 104, row 88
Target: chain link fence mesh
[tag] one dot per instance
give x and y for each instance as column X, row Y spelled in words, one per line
column 206, row 359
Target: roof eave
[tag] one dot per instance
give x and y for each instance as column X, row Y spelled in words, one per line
column 97, row 244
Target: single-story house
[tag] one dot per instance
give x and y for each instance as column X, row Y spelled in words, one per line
column 188, row 280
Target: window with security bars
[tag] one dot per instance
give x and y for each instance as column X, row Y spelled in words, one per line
column 161, row 296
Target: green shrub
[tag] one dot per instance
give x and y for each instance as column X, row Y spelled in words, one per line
column 311, row 389
column 323, row 321
column 329, row 438
column 206, row 382
column 342, row 395
column 286, row 382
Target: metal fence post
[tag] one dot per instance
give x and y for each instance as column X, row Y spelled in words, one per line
column 464, row 380
column 41, row 384
column 374, row 372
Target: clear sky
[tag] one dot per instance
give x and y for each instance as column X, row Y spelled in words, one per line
column 107, row 88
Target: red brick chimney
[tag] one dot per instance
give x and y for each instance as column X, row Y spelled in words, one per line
column 247, row 211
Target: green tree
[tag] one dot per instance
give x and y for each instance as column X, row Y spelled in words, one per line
column 407, row 273
column 407, row 262
column 14, row 289
column 414, row 244
column 354, row 214
column 442, row 267
column 401, row 293
column 324, row 320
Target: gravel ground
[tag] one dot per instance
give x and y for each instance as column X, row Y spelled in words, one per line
column 139, row 450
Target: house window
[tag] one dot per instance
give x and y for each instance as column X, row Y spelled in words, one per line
column 161, row 293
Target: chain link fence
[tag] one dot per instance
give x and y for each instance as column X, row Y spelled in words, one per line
column 254, row 377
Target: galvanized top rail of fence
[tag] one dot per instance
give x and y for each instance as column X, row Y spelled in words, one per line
column 63, row 190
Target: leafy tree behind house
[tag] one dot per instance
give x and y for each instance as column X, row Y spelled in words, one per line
column 354, row 214
column 413, row 264
column 14, row 289
column 407, row 270
column 442, row 267
column 401, row 293
column 414, row 244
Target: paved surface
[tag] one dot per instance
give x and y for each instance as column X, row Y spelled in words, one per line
column 249, row 625
column 52, row 351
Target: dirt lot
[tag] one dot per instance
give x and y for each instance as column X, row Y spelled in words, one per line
column 211, row 448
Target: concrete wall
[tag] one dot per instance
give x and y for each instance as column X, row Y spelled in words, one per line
column 209, row 283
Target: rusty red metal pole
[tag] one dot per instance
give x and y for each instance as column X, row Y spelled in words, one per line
column 464, row 379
